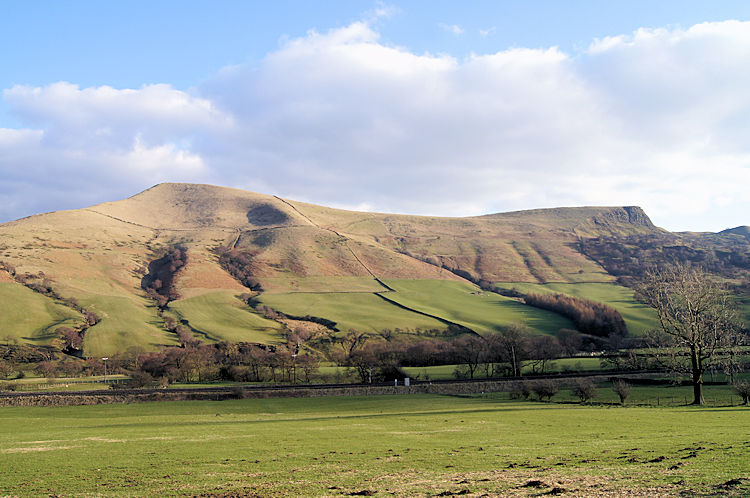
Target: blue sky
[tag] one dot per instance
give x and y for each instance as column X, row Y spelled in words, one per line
column 308, row 100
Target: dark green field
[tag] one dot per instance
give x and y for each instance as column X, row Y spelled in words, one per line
column 405, row 445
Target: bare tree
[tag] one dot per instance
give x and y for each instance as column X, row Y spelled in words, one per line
column 6, row 369
column 743, row 389
column 584, row 389
column 621, row 389
column 697, row 316
column 544, row 349
column 470, row 350
column 514, row 345
column 545, row 388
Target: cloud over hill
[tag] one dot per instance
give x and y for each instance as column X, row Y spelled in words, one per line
column 657, row 118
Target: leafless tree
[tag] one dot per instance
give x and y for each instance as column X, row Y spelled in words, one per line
column 514, row 346
column 621, row 389
column 584, row 389
column 545, row 388
column 743, row 389
column 698, row 320
column 544, row 349
column 470, row 350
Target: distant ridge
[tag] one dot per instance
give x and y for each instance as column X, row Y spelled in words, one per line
column 743, row 231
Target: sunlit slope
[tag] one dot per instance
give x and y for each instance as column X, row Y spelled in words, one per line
column 26, row 316
column 531, row 246
column 637, row 316
column 361, row 311
column 184, row 206
column 96, row 260
column 467, row 305
column 292, row 283
column 220, row 316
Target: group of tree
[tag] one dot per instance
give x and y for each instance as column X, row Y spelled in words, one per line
column 239, row 263
column 159, row 281
column 242, row 362
column 496, row 354
column 590, row 317
column 583, row 388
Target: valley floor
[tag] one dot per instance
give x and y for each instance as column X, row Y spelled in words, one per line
column 425, row 445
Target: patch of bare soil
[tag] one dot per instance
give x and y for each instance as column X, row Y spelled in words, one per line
column 312, row 328
column 511, row 482
column 33, row 449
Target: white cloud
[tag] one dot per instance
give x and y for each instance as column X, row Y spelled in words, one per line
column 484, row 33
column 453, row 29
column 657, row 118
column 381, row 11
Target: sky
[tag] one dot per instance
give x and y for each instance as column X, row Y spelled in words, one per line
column 423, row 107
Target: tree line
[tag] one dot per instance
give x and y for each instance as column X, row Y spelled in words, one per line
column 590, row 317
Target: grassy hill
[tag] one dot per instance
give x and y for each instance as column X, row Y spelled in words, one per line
column 220, row 316
column 30, row 317
column 637, row 316
column 462, row 303
column 365, row 271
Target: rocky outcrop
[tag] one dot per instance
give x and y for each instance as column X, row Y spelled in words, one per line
column 632, row 215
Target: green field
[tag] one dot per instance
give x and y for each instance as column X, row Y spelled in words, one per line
column 445, row 372
column 457, row 302
column 404, row 445
column 465, row 304
column 126, row 321
column 638, row 317
column 220, row 316
column 31, row 317
column 361, row 311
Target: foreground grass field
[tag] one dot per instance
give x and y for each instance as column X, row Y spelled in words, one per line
column 406, row 445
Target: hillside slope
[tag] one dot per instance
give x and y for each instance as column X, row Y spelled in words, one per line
column 342, row 259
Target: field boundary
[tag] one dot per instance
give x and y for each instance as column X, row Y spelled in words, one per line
column 114, row 396
column 413, row 310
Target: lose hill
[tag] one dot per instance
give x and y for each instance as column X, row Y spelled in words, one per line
column 182, row 262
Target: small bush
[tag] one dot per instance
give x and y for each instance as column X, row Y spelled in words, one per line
column 545, row 388
column 140, row 379
column 520, row 389
column 584, row 389
column 622, row 389
column 743, row 389
column 238, row 392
